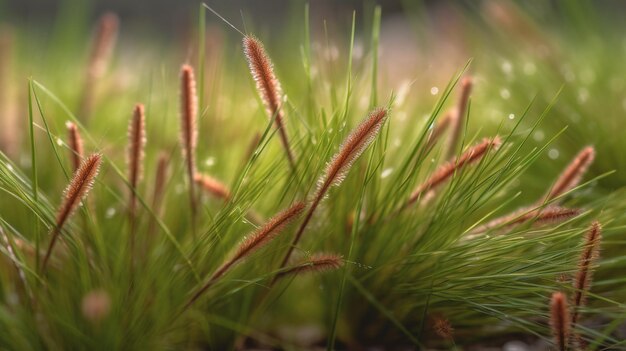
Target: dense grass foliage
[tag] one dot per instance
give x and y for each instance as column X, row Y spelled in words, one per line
column 329, row 188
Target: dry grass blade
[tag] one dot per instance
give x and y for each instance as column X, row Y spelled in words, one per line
column 212, row 186
column 354, row 145
column 314, row 264
column 78, row 188
column 75, row 144
column 559, row 320
column 446, row 171
column 189, row 128
column 252, row 243
column 268, row 87
column 459, row 116
column 572, row 175
column 588, row 257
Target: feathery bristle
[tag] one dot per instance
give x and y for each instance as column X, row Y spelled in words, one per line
column 354, row 145
column 443, row 328
column 586, row 263
column 315, row 264
column 443, row 173
column 572, row 175
column 212, row 186
column 252, row 243
column 459, row 116
column 76, row 145
column 189, row 128
column 76, row 191
column 268, row 87
column 559, row 320
column 549, row 214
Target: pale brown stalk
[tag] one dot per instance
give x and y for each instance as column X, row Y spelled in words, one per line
column 354, row 145
column 549, row 214
column 134, row 159
column 315, row 264
column 446, row 171
column 212, row 186
column 189, row 129
column 459, row 117
column 102, row 46
column 559, row 320
column 75, row 144
column 586, row 263
column 252, row 243
column 572, row 175
column 76, row 191
column 268, row 87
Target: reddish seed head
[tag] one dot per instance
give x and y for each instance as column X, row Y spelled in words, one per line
column 559, row 320
column 443, row 328
column 315, row 264
column 212, row 186
column 75, row 144
column 96, row 306
column 588, row 257
column 572, row 174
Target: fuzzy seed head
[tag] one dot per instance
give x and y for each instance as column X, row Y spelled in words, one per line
column 96, row 306
column 315, row 264
column 103, row 43
column 443, row 328
column 136, row 145
column 573, row 174
column 79, row 187
column 75, row 144
column 354, row 145
column 559, row 320
column 212, row 186
column 269, row 231
column 262, row 71
column 588, row 258
column 188, row 114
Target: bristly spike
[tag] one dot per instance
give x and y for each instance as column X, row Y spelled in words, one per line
column 446, row 171
column 572, row 174
column 268, row 87
column 75, row 144
column 549, row 214
column 586, row 263
column 212, row 186
column 76, row 191
column 442, row 125
column 315, row 264
column 252, row 243
column 189, row 128
column 354, row 145
column 134, row 159
column 559, row 320
column 459, row 116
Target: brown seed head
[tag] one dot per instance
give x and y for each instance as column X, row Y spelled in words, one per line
column 588, row 258
column 559, row 320
column 443, row 328
column 75, row 144
column 212, row 186
column 443, row 173
column 136, row 145
column 103, row 43
column 96, row 306
column 461, row 110
column 572, row 175
column 315, row 264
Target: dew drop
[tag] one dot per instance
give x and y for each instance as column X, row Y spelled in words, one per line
column 507, row 67
column 209, row 162
column 553, row 154
column 59, row 142
column 110, row 212
column 505, row 93
column 385, row 173
column 434, row 90
column 511, row 116
column 539, row 135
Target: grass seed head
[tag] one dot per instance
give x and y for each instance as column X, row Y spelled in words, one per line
column 76, row 145
column 559, row 320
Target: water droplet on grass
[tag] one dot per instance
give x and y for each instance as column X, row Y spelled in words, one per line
column 553, row 154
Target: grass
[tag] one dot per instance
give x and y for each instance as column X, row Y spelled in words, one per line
column 367, row 264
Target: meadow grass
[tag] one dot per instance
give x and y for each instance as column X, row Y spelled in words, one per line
column 446, row 211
